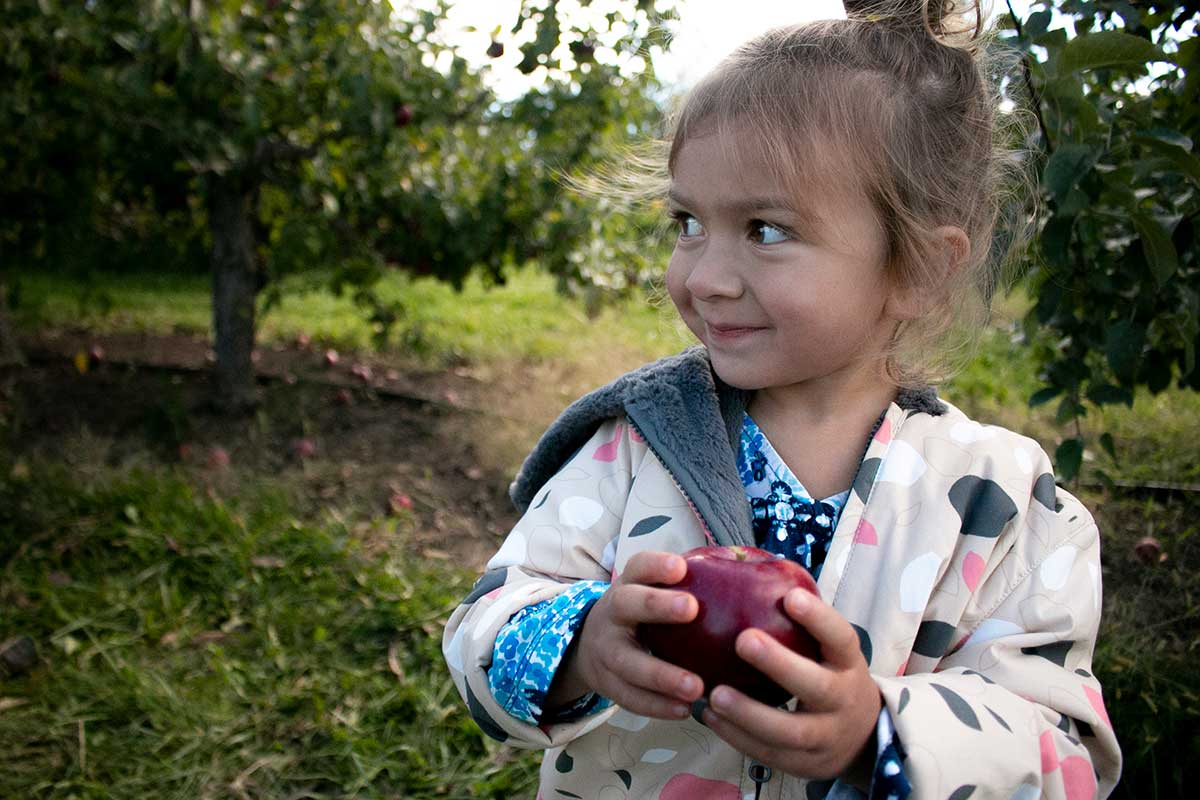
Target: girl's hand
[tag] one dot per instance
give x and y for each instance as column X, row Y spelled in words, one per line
column 832, row 731
column 607, row 657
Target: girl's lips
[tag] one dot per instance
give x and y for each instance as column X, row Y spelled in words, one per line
column 730, row 332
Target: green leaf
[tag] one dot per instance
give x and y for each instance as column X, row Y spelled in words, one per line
column 1174, row 152
column 1167, row 135
column 1108, row 49
column 1066, row 166
column 1106, row 441
column 1068, row 411
column 1123, row 347
column 1043, row 396
column 1068, row 457
column 1160, row 251
column 1108, row 394
column 1037, row 24
column 1056, row 240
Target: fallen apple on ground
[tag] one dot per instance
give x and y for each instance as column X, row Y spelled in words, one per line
column 736, row 588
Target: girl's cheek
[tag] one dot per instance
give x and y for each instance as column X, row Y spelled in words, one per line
column 677, row 288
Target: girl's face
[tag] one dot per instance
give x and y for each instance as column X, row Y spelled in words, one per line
column 783, row 284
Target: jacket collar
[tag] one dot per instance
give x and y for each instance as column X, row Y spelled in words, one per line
column 680, row 407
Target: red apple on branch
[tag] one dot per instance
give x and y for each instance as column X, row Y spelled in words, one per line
column 402, row 114
column 736, row 588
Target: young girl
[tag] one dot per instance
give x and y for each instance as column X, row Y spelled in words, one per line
column 836, row 189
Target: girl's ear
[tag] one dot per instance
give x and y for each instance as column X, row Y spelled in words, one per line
column 950, row 252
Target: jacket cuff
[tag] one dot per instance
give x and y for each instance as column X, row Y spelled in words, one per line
column 529, row 650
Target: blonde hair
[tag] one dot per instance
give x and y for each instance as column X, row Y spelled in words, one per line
column 899, row 102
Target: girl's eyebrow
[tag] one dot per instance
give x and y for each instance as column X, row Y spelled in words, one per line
column 743, row 205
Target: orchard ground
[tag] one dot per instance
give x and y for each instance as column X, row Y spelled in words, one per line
column 252, row 608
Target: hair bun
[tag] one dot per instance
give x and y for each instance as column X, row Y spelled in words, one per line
column 943, row 19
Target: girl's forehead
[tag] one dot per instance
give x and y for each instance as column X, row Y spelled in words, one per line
column 741, row 169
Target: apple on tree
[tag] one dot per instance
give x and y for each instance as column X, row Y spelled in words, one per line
column 736, row 588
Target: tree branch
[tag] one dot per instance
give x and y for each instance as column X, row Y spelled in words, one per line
column 1034, row 97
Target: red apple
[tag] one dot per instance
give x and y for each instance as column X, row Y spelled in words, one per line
column 399, row 502
column 303, row 448
column 331, row 357
column 1148, row 550
column 736, row 588
column 403, row 114
column 495, row 49
column 218, row 457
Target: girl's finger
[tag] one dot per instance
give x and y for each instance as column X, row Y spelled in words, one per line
column 646, row 703
column 811, row 683
column 769, row 727
column 652, row 567
column 633, row 604
column 839, row 642
column 639, row 669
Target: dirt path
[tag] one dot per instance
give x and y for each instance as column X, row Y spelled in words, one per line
column 384, row 439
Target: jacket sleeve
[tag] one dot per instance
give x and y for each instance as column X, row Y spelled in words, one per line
column 568, row 535
column 1014, row 711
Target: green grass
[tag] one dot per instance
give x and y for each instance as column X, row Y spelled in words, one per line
column 197, row 648
column 525, row 319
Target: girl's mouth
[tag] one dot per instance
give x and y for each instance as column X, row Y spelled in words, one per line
column 730, row 333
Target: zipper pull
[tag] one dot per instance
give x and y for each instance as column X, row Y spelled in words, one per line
column 760, row 774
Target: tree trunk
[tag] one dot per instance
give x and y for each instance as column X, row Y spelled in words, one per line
column 234, row 287
column 10, row 351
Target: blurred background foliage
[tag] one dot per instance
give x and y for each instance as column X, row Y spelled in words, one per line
column 1113, row 271
column 258, row 139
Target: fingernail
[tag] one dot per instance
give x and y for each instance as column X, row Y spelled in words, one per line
column 752, row 646
column 720, row 699
column 680, row 605
column 688, row 684
column 680, row 711
column 800, row 600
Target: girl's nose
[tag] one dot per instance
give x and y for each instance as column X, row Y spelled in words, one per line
column 714, row 275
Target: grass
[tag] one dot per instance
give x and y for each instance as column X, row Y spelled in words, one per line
column 525, row 319
column 202, row 648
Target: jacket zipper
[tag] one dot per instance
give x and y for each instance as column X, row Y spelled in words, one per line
column 703, row 523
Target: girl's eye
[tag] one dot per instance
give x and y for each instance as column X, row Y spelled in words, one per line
column 688, row 225
column 766, row 233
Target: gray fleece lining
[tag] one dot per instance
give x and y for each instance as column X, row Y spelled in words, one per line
column 671, row 403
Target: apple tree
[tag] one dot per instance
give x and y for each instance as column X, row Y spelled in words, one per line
column 1114, row 271
column 265, row 137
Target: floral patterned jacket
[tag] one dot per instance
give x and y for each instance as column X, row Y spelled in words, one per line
column 972, row 580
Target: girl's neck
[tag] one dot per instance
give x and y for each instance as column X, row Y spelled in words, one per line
column 842, row 399
column 819, row 428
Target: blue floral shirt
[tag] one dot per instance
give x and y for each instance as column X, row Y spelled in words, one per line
column 786, row 520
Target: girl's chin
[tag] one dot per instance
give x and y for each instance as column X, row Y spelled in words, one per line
column 735, row 374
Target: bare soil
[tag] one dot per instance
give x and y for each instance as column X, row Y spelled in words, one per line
column 380, row 432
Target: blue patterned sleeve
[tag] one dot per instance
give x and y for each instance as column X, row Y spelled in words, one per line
column 888, row 781
column 529, row 649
